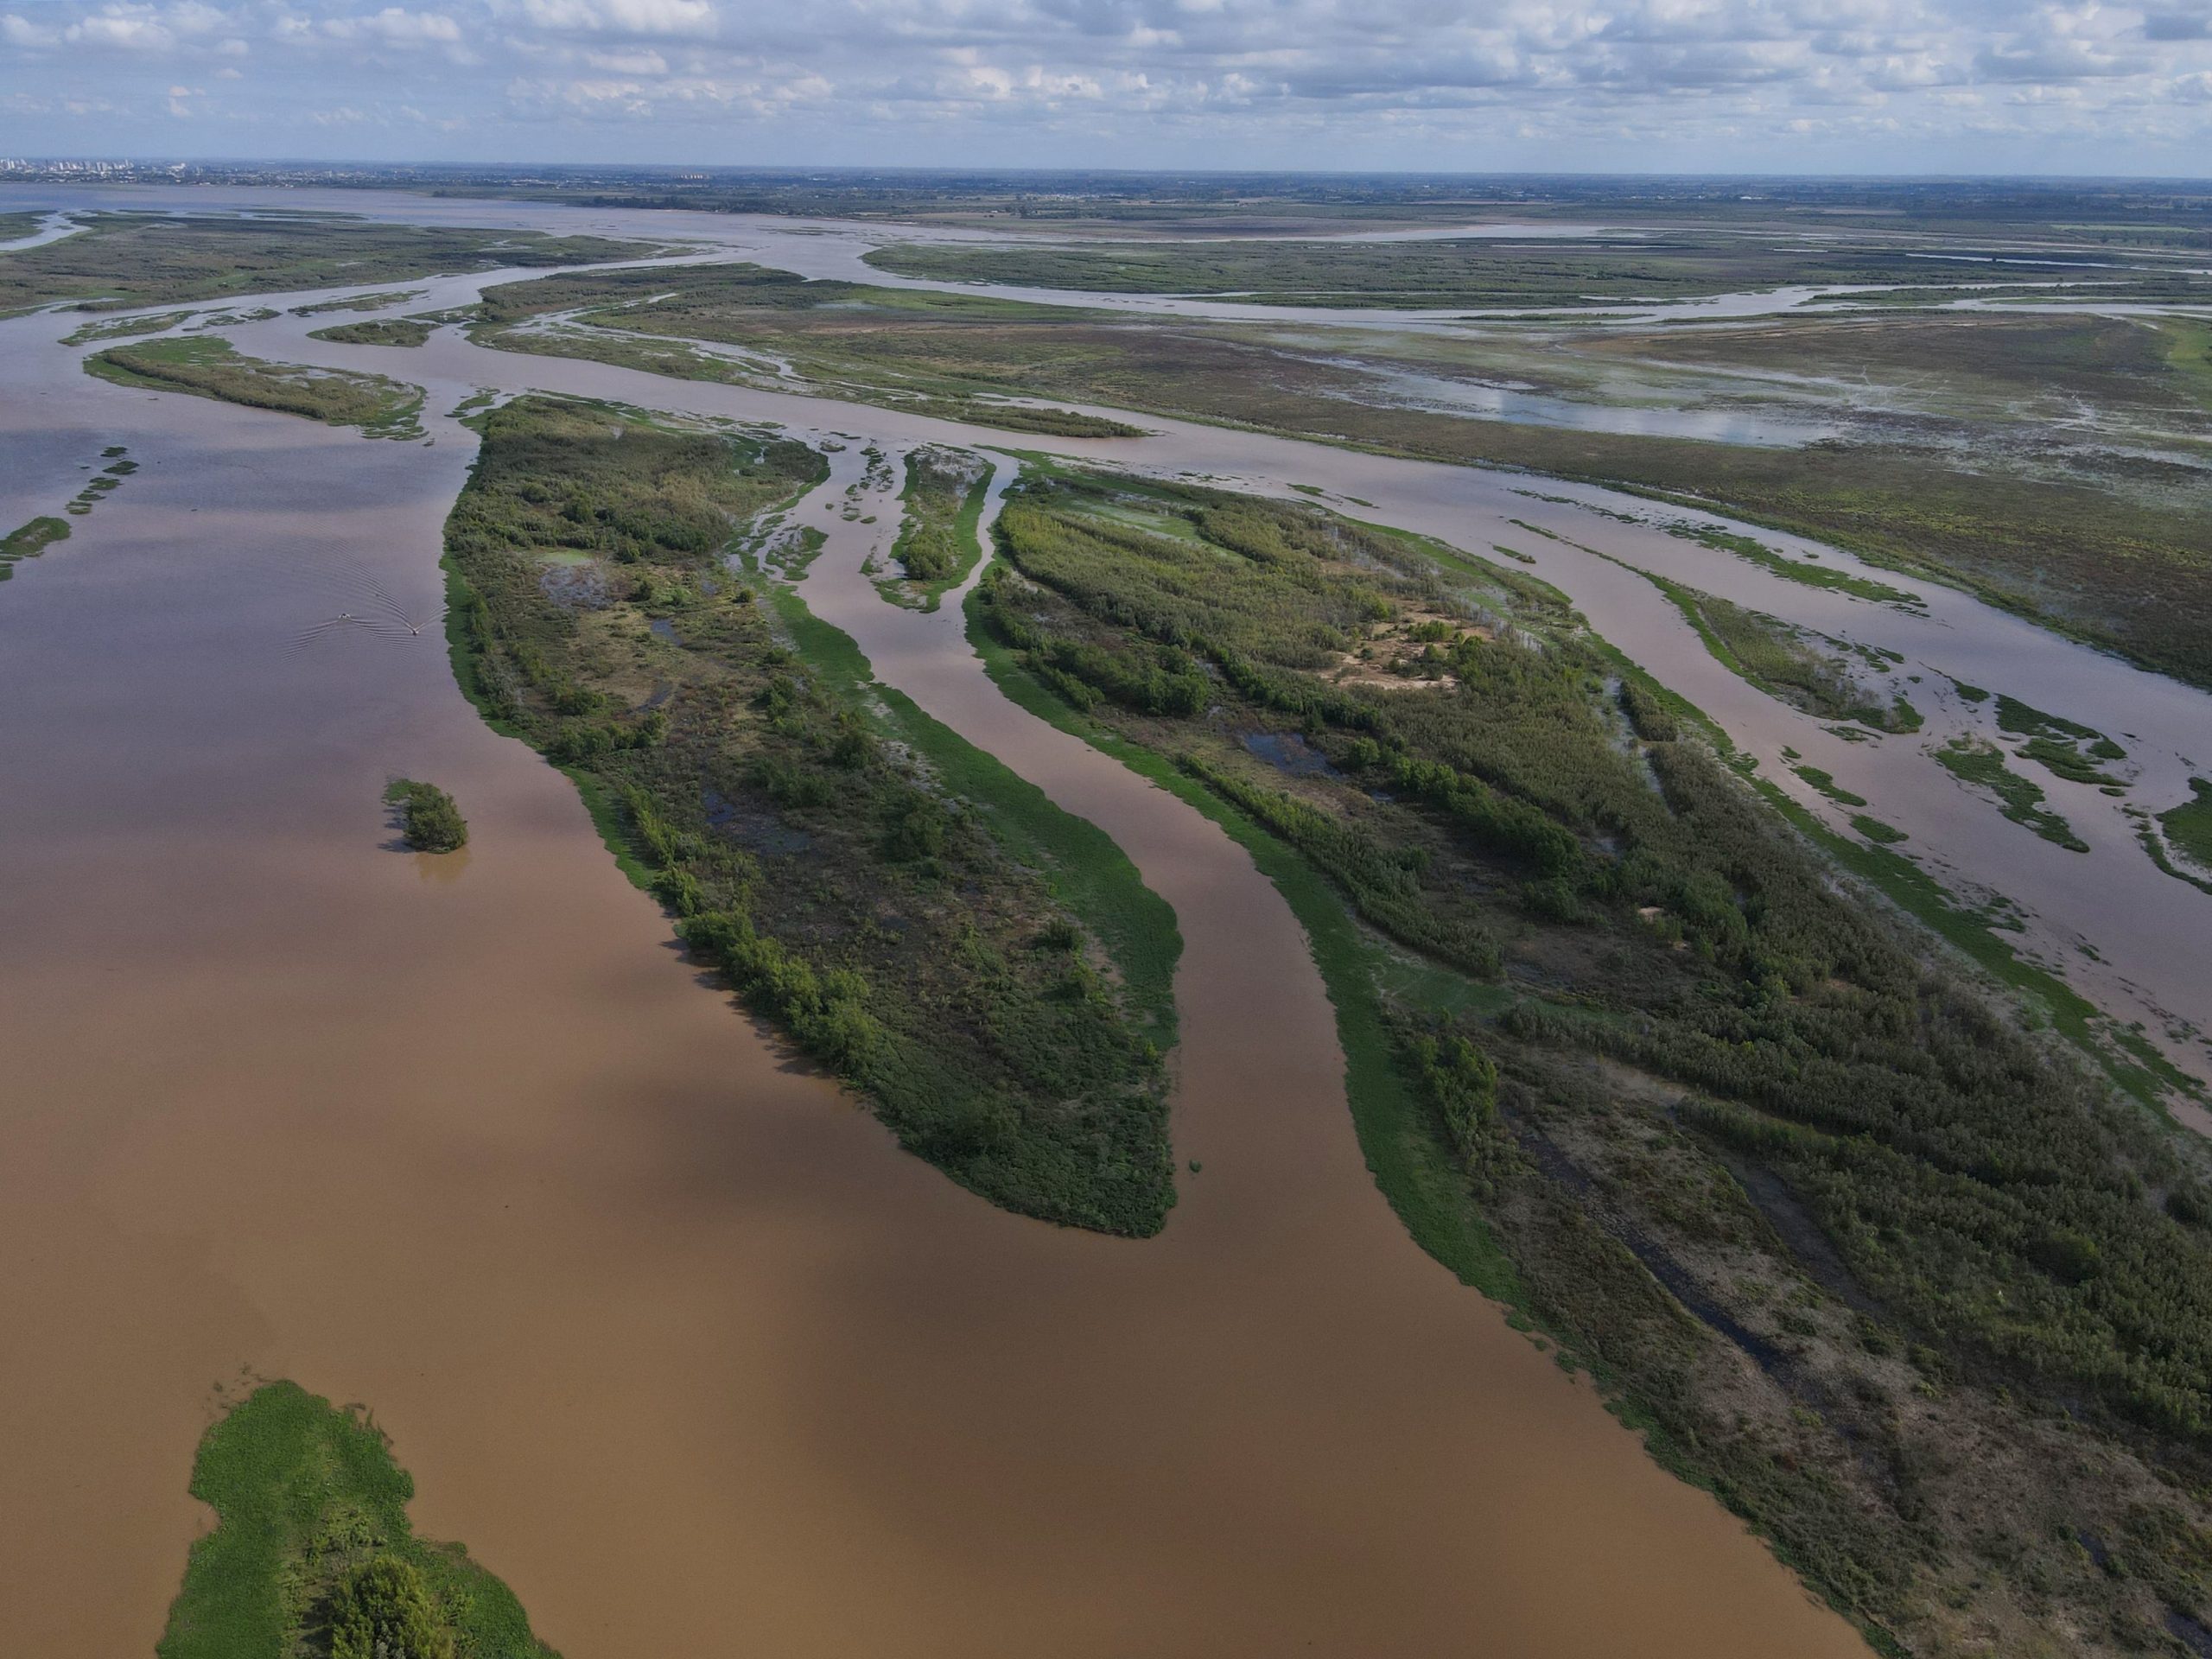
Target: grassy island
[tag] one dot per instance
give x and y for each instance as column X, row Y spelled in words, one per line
column 380, row 331
column 988, row 973
column 1623, row 1051
column 207, row 366
column 313, row 1553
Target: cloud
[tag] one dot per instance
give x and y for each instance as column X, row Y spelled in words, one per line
column 1422, row 83
column 634, row 19
column 395, row 26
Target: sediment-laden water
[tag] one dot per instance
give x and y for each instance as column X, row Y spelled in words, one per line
column 666, row 1329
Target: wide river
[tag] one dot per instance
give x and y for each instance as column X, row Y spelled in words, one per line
column 666, row 1330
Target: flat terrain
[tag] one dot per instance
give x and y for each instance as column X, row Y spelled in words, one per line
column 1690, row 1028
column 122, row 259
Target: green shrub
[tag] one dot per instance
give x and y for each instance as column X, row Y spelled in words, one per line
column 429, row 821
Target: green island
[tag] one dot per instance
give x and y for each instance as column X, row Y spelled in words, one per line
column 208, row 366
column 313, row 1553
column 430, row 821
column 1802, row 572
column 1621, row 1053
column 986, row 972
column 1647, row 264
column 1780, row 659
column 120, row 260
column 938, row 543
column 378, row 331
column 102, row 328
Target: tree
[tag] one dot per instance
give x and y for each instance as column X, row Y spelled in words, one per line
column 382, row 1609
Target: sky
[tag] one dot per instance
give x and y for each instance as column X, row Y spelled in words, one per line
column 1918, row 87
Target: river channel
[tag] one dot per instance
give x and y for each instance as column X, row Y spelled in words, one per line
column 665, row 1328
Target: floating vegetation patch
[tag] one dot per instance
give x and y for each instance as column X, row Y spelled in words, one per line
column 1982, row 765
column 1825, row 783
column 382, row 331
column 28, row 541
column 1781, row 564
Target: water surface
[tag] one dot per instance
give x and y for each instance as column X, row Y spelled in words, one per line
column 663, row 1325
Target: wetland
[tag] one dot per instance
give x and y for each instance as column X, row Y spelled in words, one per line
column 1522, row 950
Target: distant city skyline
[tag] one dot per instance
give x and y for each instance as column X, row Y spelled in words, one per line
column 1734, row 87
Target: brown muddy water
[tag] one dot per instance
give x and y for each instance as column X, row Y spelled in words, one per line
column 665, row 1328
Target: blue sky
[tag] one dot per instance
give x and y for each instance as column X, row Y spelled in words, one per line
column 1729, row 86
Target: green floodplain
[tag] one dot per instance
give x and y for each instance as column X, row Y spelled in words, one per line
column 313, row 1553
column 119, row 260
column 990, row 976
column 1620, row 1053
column 206, row 365
column 1631, row 1045
column 1968, row 478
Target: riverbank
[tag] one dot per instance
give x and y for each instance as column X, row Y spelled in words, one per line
column 1694, row 1254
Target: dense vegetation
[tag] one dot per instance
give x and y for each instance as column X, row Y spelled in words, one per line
column 1547, row 272
column 312, row 1552
column 854, row 894
column 2039, row 521
column 380, row 331
column 429, row 821
column 2189, row 826
column 28, row 541
column 207, row 366
column 125, row 259
column 943, row 498
column 1983, row 766
column 1810, row 1203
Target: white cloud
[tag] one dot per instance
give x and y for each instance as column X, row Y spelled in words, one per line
column 1424, row 83
column 637, row 19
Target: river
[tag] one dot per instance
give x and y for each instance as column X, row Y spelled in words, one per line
column 663, row 1326
column 665, row 1329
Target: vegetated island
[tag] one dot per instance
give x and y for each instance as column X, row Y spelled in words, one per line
column 313, row 1553
column 1904, row 1283
column 429, row 821
column 118, row 261
column 937, row 544
column 986, row 971
column 378, row 331
column 209, row 366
